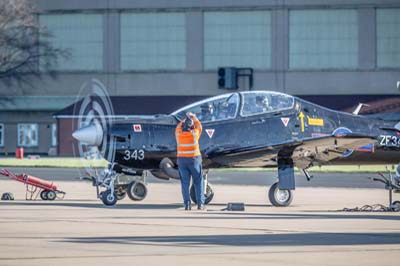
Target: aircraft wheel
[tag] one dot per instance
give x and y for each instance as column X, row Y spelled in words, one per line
column 280, row 197
column 209, row 195
column 51, row 195
column 108, row 198
column 396, row 204
column 137, row 190
column 43, row 194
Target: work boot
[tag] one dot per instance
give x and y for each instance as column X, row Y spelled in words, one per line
column 201, row 207
column 188, row 206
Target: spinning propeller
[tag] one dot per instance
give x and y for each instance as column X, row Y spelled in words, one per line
column 94, row 115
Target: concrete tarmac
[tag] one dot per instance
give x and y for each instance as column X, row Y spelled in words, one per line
column 79, row 230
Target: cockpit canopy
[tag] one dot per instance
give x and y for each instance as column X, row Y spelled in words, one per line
column 217, row 108
column 226, row 106
column 259, row 102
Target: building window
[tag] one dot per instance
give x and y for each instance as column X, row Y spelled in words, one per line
column 28, row 135
column 388, row 37
column 153, row 41
column 240, row 39
column 81, row 34
column 1, row 135
column 323, row 39
column 54, row 134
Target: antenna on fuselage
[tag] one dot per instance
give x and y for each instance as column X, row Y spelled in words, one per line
column 358, row 109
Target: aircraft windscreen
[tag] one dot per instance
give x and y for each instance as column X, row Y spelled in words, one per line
column 214, row 109
column 259, row 102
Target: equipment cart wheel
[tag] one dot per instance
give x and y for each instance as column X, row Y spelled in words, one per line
column 209, row 195
column 137, row 190
column 108, row 198
column 51, row 195
column 280, row 197
column 43, row 194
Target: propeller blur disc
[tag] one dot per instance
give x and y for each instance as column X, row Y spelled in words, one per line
column 93, row 118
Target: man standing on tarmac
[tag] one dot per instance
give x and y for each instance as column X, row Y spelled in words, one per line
column 187, row 135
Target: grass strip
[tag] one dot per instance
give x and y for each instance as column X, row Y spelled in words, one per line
column 58, row 162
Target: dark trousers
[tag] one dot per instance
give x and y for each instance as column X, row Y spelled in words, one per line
column 191, row 167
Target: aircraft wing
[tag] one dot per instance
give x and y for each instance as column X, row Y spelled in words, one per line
column 325, row 149
column 304, row 152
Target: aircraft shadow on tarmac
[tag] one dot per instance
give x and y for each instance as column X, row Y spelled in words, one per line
column 301, row 239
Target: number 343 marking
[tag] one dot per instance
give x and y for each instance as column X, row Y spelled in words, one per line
column 134, row 155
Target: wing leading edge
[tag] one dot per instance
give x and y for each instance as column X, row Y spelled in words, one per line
column 304, row 153
column 325, row 149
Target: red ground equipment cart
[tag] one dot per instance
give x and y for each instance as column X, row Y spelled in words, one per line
column 36, row 186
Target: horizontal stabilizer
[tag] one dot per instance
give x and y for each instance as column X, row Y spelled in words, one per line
column 395, row 128
column 394, row 117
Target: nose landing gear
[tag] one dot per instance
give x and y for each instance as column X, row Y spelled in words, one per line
column 208, row 192
column 118, row 186
column 108, row 197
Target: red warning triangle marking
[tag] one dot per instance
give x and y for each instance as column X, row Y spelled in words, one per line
column 285, row 121
column 137, row 128
column 210, row 132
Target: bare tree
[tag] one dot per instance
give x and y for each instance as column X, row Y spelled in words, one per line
column 24, row 43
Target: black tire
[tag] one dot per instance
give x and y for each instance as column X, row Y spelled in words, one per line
column 137, row 190
column 7, row 196
column 396, row 204
column 43, row 194
column 108, row 199
column 51, row 195
column 280, row 198
column 209, row 195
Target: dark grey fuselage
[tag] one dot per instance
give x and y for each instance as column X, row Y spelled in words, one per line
column 234, row 142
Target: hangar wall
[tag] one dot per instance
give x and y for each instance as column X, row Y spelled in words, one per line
column 366, row 77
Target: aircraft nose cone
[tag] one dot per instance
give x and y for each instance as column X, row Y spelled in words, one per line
column 92, row 134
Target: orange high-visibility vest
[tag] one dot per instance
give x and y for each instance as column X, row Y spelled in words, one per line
column 188, row 141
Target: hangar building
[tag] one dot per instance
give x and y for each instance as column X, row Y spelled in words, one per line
column 335, row 52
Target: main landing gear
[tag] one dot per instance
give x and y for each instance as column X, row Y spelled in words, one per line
column 208, row 192
column 280, row 193
column 280, row 197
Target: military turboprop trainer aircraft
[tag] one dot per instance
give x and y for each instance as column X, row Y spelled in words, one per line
column 246, row 129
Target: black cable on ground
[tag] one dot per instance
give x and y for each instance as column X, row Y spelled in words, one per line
column 373, row 208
